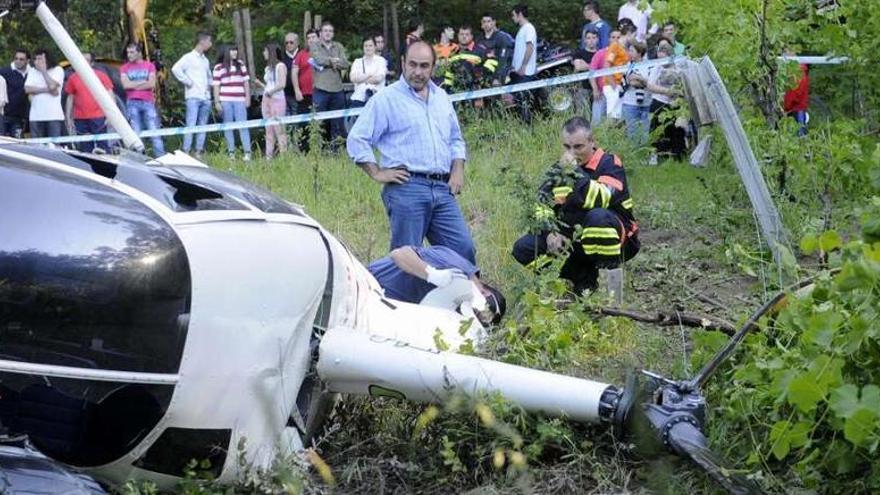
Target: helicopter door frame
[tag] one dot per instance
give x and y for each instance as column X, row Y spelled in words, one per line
column 134, row 377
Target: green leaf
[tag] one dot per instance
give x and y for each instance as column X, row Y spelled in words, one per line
column 827, row 372
column 821, row 328
column 871, row 398
column 785, row 436
column 859, row 427
column 809, row 244
column 787, row 259
column 799, row 435
column 844, row 400
column 804, row 392
column 780, row 443
column 829, row 241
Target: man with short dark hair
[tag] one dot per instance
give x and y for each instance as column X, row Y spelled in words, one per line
column 469, row 68
column 581, row 62
column 83, row 114
column 15, row 114
column 415, row 32
column 330, row 60
column 422, row 152
column 669, row 32
column 584, row 201
column 496, row 44
column 385, row 51
column 138, row 77
column 525, row 60
column 194, row 71
column 411, row 273
column 44, row 84
column 596, row 23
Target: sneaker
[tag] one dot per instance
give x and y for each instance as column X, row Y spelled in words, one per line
column 247, row 157
column 230, row 154
column 653, row 159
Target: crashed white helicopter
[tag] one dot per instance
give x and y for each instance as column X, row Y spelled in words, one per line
column 158, row 311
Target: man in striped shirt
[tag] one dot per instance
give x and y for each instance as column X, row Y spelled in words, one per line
column 414, row 126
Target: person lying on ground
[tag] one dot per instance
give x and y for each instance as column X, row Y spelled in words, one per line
column 438, row 276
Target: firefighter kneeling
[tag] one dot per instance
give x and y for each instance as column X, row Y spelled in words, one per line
column 585, row 200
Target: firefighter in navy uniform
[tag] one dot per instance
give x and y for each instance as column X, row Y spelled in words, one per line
column 470, row 68
column 584, row 200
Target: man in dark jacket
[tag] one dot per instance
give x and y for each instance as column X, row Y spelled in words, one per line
column 17, row 108
column 584, row 201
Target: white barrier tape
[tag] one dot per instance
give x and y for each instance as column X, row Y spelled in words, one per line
column 349, row 112
column 810, row 60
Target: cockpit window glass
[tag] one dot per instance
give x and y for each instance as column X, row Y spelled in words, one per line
column 160, row 183
column 89, row 277
column 230, row 185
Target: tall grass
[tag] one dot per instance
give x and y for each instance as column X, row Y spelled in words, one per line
column 689, row 220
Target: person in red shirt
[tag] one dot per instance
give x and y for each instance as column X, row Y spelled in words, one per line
column 82, row 113
column 797, row 100
column 300, row 82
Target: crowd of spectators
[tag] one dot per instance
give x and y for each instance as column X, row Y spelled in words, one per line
column 301, row 77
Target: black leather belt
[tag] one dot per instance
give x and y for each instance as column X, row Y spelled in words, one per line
column 422, row 175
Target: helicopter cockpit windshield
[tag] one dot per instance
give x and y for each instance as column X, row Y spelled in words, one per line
column 105, row 288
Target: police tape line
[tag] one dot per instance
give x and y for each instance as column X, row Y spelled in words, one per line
column 814, row 60
column 350, row 112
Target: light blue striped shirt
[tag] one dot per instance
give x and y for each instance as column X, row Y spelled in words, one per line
column 424, row 136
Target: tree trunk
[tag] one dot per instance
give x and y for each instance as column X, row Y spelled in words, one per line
column 385, row 23
column 248, row 40
column 767, row 93
column 395, row 24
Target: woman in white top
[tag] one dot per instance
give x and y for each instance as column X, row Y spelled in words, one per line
column 367, row 74
column 638, row 96
column 668, row 78
column 274, row 103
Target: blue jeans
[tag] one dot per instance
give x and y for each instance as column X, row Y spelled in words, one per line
column 638, row 122
column 12, row 126
column 426, row 208
column 800, row 117
column 598, row 111
column 326, row 101
column 46, row 128
column 236, row 111
column 91, row 126
column 143, row 115
column 197, row 112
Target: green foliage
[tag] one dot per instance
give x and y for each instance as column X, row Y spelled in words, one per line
column 809, row 391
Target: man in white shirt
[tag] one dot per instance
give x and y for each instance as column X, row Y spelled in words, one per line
column 525, row 60
column 43, row 84
column 630, row 10
column 194, row 71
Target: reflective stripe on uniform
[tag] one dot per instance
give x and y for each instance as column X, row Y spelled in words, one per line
column 628, row 204
column 599, row 233
column 592, row 192
column 605, row 250
column 606, row 195
column 560, row 193
column 539, row 262
column 467, row 57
